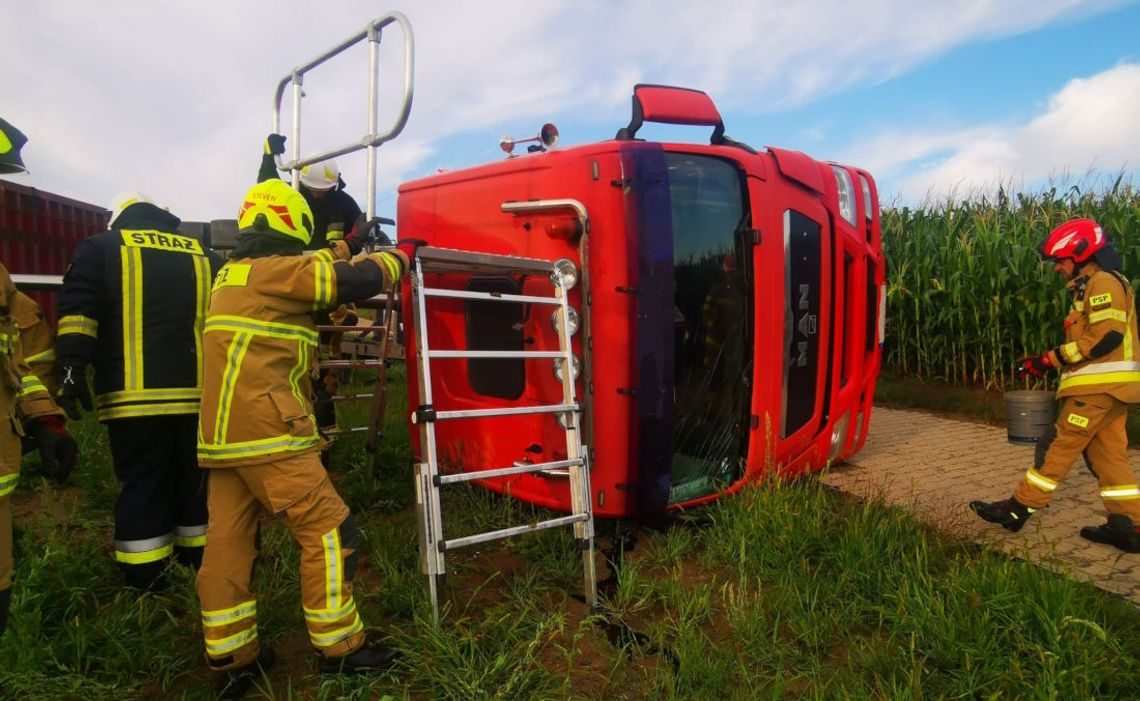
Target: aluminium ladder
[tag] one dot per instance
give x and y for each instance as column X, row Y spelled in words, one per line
column 433, row 545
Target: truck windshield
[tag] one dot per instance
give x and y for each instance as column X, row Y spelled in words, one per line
column 711, row 324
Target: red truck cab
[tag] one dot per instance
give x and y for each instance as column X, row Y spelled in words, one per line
column 730, row 308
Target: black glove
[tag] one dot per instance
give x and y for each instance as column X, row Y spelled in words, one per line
column 58, row 452
column 367, row 231
column 275, row 144
column 71, row 375
column 409, row 248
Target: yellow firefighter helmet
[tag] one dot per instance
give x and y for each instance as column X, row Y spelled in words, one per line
column 274, row 206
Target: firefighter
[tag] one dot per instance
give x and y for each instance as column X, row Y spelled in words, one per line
column 132, row 305
column 28, row 409
column 1100, row 377
column 260, row 441
column 334, row 213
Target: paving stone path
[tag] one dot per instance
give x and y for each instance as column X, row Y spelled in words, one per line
column 935, row 466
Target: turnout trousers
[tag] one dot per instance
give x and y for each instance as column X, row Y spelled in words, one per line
column 9, row 476
column 1091, row 425
column 297, row 490
column 161, row 510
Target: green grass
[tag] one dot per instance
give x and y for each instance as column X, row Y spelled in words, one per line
column 785, row 591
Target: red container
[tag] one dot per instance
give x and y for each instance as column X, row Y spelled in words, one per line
column 39, row 232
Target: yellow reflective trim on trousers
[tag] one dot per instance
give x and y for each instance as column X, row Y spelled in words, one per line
column 234, row 357
column 190, row 536
column 330, row 615
column 30, row 384
column 142, row 558
column 47, row 355
column 257, row 327
column 201, row 304
column 8, row 483
column 331, row 542
column 1123, row 492
column 132, row 290
column 224, row 646
column 1108, row 314
column 221, row 617
column 1039, row 480
column 250, row 449
column 75, row 323
column 329, row 639
column 8, row 342
column 137, row 410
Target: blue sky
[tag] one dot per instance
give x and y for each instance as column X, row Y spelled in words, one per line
column 173, row 98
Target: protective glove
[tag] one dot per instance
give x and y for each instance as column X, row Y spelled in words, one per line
column 409, row 247
column 355, row 245
column 71, row 375
column 368, row 231
column 275, row 144
column 58, row 452
column 1035, row 366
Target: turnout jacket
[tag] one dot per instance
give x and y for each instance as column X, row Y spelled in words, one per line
column 1100, row 352
column 22, row 396
column 261, row 347
column 133, row 304
column 37, row 340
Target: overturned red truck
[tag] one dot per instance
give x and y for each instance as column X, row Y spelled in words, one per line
column 730, row 307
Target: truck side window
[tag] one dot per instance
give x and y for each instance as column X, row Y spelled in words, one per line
column 495, row 326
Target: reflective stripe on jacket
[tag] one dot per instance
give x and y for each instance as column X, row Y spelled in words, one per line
column 260, row 349
column 1100, row 352
column 133, row 305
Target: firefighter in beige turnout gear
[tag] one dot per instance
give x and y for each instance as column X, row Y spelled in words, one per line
column 1100, row 377
column 27, row 409
column 258, row 437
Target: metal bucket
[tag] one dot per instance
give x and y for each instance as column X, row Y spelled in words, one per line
column 1029, row 414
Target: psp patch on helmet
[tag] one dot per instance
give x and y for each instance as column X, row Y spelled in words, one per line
column 1100, row 301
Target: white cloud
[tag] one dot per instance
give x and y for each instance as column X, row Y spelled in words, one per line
column 1089, row 124
column 174, row 97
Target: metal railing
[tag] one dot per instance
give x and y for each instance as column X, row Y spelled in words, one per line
column 373, row 139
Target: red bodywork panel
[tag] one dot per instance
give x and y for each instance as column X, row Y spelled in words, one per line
column 806, row 288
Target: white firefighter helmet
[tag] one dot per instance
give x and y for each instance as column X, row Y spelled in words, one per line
column 122, row 201
column 320, row 176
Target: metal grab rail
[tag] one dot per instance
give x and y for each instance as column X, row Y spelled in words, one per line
column 26, row 282
column 372, row 139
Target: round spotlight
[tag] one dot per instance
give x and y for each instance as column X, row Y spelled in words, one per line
column 565, row 274
column 556, row 319
column 575, row 367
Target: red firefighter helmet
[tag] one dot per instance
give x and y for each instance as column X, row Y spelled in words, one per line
column 1077, row 239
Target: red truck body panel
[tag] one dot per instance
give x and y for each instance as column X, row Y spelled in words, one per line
column 730, row 317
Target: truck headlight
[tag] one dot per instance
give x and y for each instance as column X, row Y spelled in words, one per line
column 846, row 194
column 556, row 319
column 839, row 437
column 866, row 196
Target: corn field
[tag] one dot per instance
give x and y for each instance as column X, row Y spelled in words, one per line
column 968, row 295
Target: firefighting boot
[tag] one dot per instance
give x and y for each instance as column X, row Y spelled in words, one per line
column 369, row 658
column 1008, row 513
column 1118, row 532
column 234, row 683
